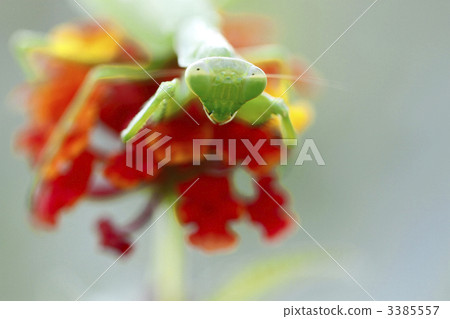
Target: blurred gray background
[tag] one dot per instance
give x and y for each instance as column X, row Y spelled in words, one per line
column 380, row 205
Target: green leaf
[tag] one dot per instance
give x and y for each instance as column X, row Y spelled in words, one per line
column 266, row 275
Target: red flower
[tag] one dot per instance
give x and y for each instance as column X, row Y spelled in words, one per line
column 53, row 195
column 113, row 238
column 212, row 205
column 266, row 209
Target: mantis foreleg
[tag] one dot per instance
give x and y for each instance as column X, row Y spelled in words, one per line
column 23, row 43
column 94, row 77
column 168, row 95
column 260, row 109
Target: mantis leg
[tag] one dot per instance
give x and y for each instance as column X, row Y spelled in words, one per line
column 94, row 77
column 170, row 95
column 260, row 109
column 23, row 43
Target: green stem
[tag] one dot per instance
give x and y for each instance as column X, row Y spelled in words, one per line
column 168, row 259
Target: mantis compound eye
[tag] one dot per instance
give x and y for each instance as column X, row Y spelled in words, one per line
column 198, row 78
column 254, row 83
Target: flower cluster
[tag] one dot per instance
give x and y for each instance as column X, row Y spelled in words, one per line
column 81, row 167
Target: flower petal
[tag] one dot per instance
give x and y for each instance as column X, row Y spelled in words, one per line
column 239, row 132
column 123, row 176
column 265, row 210
column 183, row 131
column 89, row 44
column 113, row 238
column 50, row 97
column 120, row 102
column 248, row 30
column 54, row 195
column 209, row 205
column 31, row 141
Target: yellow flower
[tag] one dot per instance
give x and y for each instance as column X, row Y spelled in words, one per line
column 84, row 44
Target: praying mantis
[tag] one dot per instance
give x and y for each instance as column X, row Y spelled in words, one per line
column 226, row 84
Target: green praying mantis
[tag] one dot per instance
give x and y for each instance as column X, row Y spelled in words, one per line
column 227, row 85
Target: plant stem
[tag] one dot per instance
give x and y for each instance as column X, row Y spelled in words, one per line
column 168, row 259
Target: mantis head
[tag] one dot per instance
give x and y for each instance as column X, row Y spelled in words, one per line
column 223, row 85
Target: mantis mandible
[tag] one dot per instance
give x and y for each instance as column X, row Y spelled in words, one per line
column 227, row 85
